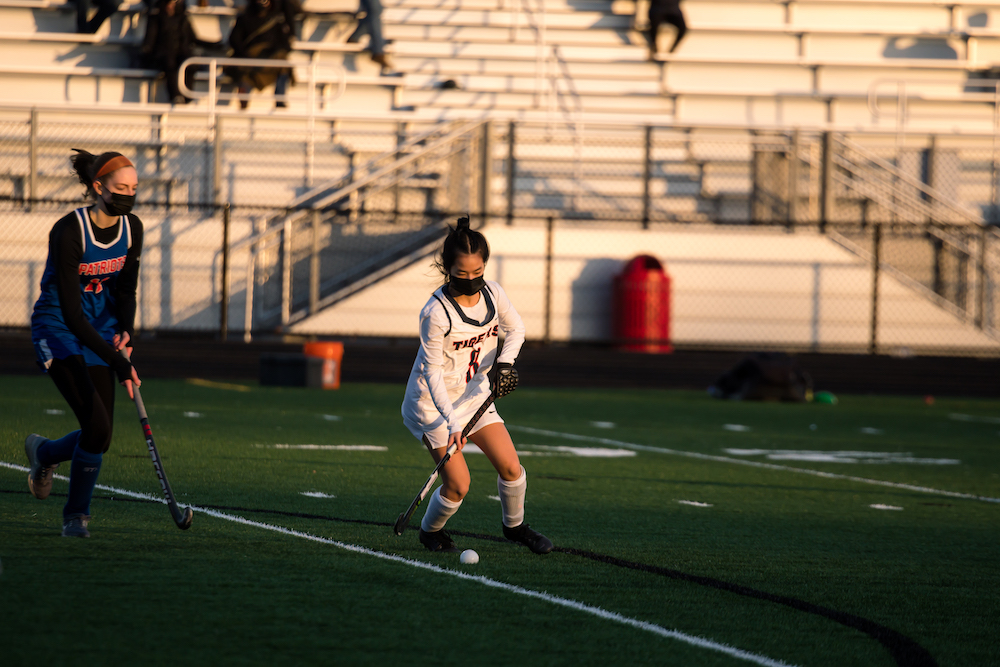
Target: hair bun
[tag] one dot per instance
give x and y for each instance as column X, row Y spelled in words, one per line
column 463, row 223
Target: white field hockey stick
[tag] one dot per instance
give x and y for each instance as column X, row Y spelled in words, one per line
column 181, row 517
column 504, row 385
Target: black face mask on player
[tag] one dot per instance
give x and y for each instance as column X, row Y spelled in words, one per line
column 467, row 286
column 120, row 204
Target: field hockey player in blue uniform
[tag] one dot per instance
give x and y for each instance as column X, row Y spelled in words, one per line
column 459, row 328
column 82, row 322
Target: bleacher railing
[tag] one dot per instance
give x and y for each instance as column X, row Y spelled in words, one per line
column 338, row 241
column 318, row 75
column 388, row 187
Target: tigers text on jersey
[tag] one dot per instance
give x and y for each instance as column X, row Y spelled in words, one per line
column 458, row 347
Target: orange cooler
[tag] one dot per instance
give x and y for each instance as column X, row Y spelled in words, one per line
column 331, row 353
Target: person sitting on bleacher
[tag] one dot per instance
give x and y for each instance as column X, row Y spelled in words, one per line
column 660, row 12
column 264, row 29
column 372, row 25
column 105, row 8
column 169, row 41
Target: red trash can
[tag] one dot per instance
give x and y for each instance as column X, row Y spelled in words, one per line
column 642, row 306
column 332, row 353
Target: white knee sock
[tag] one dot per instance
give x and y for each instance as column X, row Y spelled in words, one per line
column 512, row 499
column 439, row 510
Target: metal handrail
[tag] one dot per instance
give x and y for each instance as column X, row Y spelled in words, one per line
column 357, row 185
column 539, row 19
column 391, row 153
column 213, row 94
column 268, row 238
column 902, row 96
column 903, row 177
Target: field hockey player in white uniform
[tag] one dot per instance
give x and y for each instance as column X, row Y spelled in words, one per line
column 459, row 326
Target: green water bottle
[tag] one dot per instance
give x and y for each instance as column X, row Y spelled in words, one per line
column 825, row 397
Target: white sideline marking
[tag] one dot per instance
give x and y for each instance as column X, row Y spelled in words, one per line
column 959, row 417
column 839, row 456
column 316, row 494
column 602, row 424
column 744, row 462
column 331, row 418
column 739, row 428
column 880, row 506
column 699, row 642
column 868, row 430
column 694, row 503
column 496, row 498
column 193, row 415
column 545, row 450
column 53, row 411
column 339, row 448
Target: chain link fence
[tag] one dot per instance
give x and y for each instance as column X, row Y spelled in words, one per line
column 779, row 239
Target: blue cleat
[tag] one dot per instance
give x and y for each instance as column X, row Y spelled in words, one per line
column 75, row 525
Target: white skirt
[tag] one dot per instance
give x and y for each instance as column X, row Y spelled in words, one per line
column 437, row 432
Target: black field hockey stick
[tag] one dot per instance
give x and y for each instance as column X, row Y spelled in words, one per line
column 182, row 517
column 504, row 385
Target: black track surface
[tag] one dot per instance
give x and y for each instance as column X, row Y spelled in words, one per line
column 389, row 360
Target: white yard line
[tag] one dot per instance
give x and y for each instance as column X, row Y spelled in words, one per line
column 699, row 642
column 336, row 448
column 744, row 462
column 959, row 417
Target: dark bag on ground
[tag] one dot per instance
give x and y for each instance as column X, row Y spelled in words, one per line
column 765, row 376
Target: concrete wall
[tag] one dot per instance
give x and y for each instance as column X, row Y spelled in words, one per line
column 730, row 286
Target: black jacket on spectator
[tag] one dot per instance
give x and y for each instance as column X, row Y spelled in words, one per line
column 170, row 39
column 264, row 29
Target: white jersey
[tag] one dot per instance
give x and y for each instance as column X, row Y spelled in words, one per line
column 458, row 347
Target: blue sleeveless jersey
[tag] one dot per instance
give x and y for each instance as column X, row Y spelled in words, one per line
column 98, row 271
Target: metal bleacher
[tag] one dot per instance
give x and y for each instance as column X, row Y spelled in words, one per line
column 46, row 62
column 750, row 120
column 575, row 74
column 761, row 62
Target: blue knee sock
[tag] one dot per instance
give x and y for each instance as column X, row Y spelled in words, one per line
column 82, row 478
column 55, row 452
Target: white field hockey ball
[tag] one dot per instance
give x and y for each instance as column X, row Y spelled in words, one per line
column 469, row 557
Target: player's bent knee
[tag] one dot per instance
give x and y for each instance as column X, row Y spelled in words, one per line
column 456, row 492
column 511, row 473
column 96, row 439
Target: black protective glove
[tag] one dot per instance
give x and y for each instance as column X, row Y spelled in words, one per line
column 506, row 379
column 122, row 368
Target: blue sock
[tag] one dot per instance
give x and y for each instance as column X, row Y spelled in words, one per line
column 55, row 452
column 82, row 478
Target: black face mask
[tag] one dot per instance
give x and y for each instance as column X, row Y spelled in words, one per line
column 119, row 204
column 467, row 286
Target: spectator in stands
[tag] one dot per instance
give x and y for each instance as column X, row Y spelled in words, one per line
column 372, row 25
column 264, row 29
column 665, row 11
column 169, row 41
column 105, row 8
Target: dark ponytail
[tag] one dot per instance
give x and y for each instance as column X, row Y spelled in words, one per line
column 461, row 240
column 87, row 166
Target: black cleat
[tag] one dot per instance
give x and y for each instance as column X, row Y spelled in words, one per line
column 438, row 541
column 529, row 537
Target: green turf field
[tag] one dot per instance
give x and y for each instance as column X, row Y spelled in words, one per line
column 759, row 564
